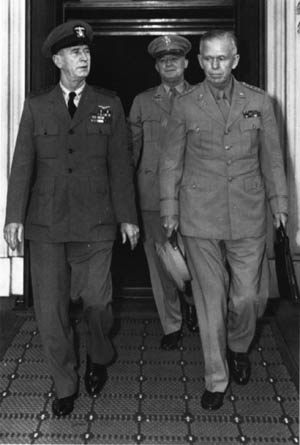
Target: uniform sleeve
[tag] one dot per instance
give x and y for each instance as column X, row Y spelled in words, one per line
column 22, row 169
column 120, row 169
column 171, row 162
column 272, row 161
column 135, row 131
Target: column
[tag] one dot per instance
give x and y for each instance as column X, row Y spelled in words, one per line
column 282, row 83
column 12, row 81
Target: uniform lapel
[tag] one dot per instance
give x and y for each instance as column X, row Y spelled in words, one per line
column 58, row 105
column 208, row 104
column 161, row 98
column 86, row 105
column 238, row 103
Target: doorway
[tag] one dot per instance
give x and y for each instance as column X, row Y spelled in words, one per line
column 123, row 30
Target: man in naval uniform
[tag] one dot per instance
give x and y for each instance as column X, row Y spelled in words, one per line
column 148, row 119
column 70, row 187
column 222, row 164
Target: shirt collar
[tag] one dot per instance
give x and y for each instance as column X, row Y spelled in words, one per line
column 179, row 88
column 66, row 91
column 227, row 90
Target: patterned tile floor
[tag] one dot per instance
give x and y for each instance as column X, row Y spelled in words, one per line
column 151, row 397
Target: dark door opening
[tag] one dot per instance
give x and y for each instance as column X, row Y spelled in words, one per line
column 120, row 62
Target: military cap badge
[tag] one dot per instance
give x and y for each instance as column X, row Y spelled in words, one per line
column 80, row 32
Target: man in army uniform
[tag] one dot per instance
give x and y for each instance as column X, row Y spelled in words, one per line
column 148, row 119
column 73, row 138
column 221, row 164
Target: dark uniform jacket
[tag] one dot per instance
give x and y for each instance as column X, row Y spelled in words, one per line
column 71, row 179
column 218, row 176
column 148, row 119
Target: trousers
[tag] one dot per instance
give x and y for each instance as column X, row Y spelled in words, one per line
column 61, row 272
column 227, row 307
column 165, row 293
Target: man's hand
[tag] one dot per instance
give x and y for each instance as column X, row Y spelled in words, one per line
column 132, row 232
column 13, row 234
column 279, row 218
column 170, row 224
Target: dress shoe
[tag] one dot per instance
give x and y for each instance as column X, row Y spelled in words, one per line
column 240, row 367
column 64, row 406
column 95, row 377
column 212, row 400
column 171, row 341
column 191, row 318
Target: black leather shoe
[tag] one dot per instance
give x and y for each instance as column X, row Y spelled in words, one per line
column 95, row 377
column 64, row 406
column 240, row 367
column 212, row 400
column 171, row 341
column 191, row 318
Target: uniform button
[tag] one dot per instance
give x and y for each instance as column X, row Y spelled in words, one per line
column 70, row 150
column 229, row 162
column 71, row 131
column 230, row 178
column 227, row 147
column 70, row 170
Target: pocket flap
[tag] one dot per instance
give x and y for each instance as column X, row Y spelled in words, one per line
column 253, row 123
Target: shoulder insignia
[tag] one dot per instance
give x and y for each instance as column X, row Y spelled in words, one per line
column 253, row 88
column 105, row 91
column 189, row 90
column 150, row 89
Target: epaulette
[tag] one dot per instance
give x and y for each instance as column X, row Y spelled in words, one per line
column 149, row 89
column 37, row 93
column 253, row 88
column 105, row 91
column 189, row 90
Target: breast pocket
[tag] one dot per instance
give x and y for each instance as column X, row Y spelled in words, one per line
column 250, row 131
column 97, row 138
column 98, row 128
column 46, row 135
column 152, row 129
column 200, row 134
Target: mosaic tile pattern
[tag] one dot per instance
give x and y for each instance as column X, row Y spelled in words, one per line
column 151, row 397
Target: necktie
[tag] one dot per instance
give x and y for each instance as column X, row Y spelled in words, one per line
column 71, row 106
column 223, row 104
column 173, row 93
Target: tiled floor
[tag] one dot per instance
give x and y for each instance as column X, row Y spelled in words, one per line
column 151, row 397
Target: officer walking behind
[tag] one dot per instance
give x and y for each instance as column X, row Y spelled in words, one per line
column 221, row 164
column 148, row 119
column 74, row 137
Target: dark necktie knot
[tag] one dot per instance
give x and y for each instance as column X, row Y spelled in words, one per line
column 71, row 105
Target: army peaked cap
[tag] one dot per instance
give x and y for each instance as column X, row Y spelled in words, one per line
column 169, row 44
column 71, row 33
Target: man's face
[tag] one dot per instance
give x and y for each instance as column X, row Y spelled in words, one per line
column 171, row 68
column 74, row 62
column 218, row 58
